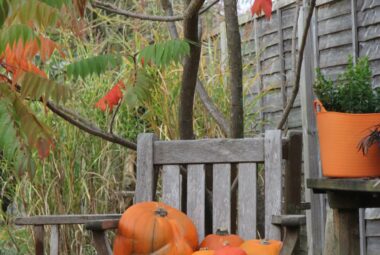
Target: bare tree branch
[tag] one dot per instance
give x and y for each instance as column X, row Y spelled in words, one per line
column 200, row 89
column 86, row 126
column 194, row 6
column 299, row 67
column 82, row 123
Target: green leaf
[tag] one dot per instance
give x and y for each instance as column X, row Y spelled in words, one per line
column 35, row 87
column 15, row 33
column 94, row 65
column 4, row 10
column 162, row 54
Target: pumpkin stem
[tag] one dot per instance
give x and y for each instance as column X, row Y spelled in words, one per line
column 161, row 212
column 222, row 232
column 265, row 242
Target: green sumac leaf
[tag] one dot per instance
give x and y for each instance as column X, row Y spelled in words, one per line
column 34, row 87
column 41, row 14
column 4, row 10
column 141, row 91
column 14, row 33
column 162, row 54
column 94, row 65
column 57, row 3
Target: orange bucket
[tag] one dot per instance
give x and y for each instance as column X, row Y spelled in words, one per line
column 339, row 136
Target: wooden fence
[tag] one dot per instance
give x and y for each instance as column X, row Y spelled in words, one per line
column 340, row 28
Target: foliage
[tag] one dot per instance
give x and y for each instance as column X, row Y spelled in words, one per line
column 161, row 54
column 352, row 92
column 260, row 6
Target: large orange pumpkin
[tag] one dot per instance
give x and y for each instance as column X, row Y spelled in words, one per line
column 230, row 250
column 204, row 252
column 152, row 227
column 259, row 247
column 220, row 239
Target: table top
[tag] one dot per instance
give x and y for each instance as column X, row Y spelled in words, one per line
column 322, row 185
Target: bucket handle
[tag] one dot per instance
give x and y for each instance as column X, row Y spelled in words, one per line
column 318, row 106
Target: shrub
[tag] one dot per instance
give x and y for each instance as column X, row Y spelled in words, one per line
column 351, row 92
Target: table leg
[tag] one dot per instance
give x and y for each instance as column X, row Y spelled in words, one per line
column 346, row 228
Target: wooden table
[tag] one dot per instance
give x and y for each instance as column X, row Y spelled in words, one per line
column 345, row 197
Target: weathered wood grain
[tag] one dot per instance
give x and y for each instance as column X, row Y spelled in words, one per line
column 196, row 197
column 362, row 185
column 334, row 40
column 101, row 243
column 63, row 219
column 145, row 180
column 373, row 245
column 247, row 200
column 315, row 216
column 101, row 225
column 355, row 39
column 208, row 151
column 369, row 33
column 373, row 228
column 171, row 188
column 370, row 49
column 221, row 202
column 369, row 17
column 293, row 220
column 363, row 5
column 39, row 234
column 54, row 240
column 335, row 56
column 273, row 177
column 346, row 227
column 334, row 25
column 335, row 9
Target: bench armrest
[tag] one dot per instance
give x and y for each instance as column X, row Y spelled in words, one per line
column 291, row 225
column 102, row 225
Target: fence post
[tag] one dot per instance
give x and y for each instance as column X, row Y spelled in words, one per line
column 314, row 216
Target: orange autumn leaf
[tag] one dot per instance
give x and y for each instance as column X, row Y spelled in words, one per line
column 17, row 59
column 112, row 98
column 260, row 6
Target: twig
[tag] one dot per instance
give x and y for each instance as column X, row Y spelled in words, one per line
column 188, row 12
column 83, row 124
column 299, row 66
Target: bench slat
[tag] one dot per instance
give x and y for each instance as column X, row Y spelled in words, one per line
column 247, row 200
column 208, row 151
column 196, row 197
column 273, row 181
column 171, row 188
column 221, row 203
column 145, row 182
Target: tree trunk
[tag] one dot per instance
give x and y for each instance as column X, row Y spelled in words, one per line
column 189, row 77
column 235, row 66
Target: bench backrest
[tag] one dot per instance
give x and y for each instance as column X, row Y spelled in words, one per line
column 188, row 160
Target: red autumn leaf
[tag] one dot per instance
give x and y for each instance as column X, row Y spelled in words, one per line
column 44, row 146
column 260, row 6
column 112, row 98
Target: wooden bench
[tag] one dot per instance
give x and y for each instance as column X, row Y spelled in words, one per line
column 188, row 167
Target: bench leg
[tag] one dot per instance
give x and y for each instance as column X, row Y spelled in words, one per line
column 290, row 240
column 101, row 243
column 39, row 234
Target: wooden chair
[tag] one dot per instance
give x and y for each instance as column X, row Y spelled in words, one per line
column 184, row 164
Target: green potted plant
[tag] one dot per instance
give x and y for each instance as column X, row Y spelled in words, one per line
column 347, row 110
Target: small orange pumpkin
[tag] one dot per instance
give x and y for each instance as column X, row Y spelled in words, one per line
column 204, row 251
column 259, row 247
column 230, row 250
column 220, row 239
column 152, row 227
